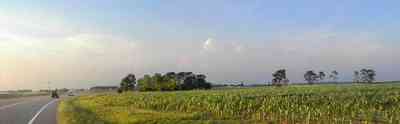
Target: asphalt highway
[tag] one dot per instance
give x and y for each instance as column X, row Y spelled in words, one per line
column 29, row 110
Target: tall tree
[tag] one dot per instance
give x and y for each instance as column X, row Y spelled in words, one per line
column 201, row 82
column 279, row 77
column 128, row 83
column 146, row 83
column 189, row 82
column 356, row 77
column 334, row 76
column 310, row 77
column 321, row 76
column 368, row 75
column 159, row 81
column 170, row 74
column 172, row 82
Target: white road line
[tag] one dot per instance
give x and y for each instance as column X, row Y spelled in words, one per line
column 40, row 111
column 10, row 105
column 15, row 104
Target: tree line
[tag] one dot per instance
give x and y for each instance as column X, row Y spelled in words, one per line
column 362, row 76
column 170, row 81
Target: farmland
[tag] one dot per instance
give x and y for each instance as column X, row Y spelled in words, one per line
column 350, row 103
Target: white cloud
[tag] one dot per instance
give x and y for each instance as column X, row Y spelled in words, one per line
column 209, row 45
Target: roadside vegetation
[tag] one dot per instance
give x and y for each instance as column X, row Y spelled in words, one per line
column 355, row 103
column 170, row 81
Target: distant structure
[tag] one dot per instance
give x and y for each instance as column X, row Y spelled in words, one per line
column 104, row 88
column 4, row 92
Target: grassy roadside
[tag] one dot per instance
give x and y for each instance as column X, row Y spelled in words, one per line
column 71, row 113
column 293, row 104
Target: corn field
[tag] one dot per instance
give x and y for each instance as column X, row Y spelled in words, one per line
column 378, row 103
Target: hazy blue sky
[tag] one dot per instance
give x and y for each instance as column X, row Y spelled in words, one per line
column 80, row 43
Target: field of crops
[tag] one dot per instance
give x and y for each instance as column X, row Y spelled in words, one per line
column 375, row 103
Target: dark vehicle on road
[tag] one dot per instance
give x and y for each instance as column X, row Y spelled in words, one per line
column 54, row 94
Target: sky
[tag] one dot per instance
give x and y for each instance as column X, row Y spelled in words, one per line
column 79, row 44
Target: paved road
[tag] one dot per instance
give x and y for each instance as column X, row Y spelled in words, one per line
column 31, row 110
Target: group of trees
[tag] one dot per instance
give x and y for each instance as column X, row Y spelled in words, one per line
column 128, row 83
column 364, row 76
column 279, row 78
column 188, row 81
column 312, row 77
column 168, row 82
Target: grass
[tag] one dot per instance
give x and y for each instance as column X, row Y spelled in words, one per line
column 378, row 103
